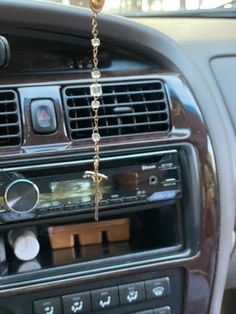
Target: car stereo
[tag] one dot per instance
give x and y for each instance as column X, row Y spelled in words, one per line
column 60, row 188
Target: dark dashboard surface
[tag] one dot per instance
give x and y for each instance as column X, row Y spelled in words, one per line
column 38, row 52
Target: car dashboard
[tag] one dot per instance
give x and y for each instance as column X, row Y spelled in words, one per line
column 164, row 236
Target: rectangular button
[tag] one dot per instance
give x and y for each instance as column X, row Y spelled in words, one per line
column 115, row 200
column 142, row 197
column 163, row 310
column 77, row 303
column 132, row 293
column 70, row 207
column 163, row 196
column 43, row 116
column 48, row 306
column 54, row 209
column 157, row 288
column 131, row 198
column 41, row 211
column 105, row 298
column 103, row 203
column 86, row 205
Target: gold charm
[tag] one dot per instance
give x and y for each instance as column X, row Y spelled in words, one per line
column 96, row 92
column 97, row 179
column 96, row 5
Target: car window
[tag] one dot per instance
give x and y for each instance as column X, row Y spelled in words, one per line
column 155, row 7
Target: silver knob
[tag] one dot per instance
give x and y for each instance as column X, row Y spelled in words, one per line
column 21, row 195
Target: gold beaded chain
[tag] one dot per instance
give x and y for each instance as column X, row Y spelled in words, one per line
column 96, row 92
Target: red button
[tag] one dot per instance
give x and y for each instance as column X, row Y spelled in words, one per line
column 43, row 116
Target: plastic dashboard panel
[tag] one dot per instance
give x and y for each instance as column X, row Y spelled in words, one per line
column 224, row 70
column 158, row 46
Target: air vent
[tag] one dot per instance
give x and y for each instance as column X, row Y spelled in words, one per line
column 127, row 108
column 10, row 129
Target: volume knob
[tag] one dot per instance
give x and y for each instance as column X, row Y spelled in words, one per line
column 21, row 195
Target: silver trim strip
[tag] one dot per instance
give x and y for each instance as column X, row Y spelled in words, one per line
column 105, row 274
column 86, row 161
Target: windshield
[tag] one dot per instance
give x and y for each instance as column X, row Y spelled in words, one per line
column 156, row 7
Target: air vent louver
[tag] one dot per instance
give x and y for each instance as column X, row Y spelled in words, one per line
column 10, row 129
column 127, row 108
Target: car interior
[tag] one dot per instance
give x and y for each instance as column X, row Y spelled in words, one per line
column 117, row 151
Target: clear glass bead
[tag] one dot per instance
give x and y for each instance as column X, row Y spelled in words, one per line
column 96, row 90
column 96, row 74
column 95, row 104
column 96, row 137
column 95, row 42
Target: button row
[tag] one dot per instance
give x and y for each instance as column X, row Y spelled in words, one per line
column 106, row 298
column 85, row 205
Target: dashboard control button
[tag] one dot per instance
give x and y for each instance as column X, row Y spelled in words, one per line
column 41, row 211
column 165, row 166
column 70, row 207
column 48, row 306
column 43, row 116
column 157, row 288
column 86, row 205
column 170, row 182
column 131, row 198
column 116, row 201
column 132, row 293
column 77, row 303
column 106, row 298
column 142, row 197
column 163, row 196
column 145, row 312
column 163, row 310
column 54, row 209
column 103, row 203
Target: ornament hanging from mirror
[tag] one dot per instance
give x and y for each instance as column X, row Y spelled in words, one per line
column 96, row 92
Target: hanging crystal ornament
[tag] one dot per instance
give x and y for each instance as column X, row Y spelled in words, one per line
column 96, row 91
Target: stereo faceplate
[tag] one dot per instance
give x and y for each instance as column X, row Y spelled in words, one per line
column 132, row 180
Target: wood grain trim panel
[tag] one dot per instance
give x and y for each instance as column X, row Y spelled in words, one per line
column 187, row 127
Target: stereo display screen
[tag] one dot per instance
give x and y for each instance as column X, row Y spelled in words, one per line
column 79, row 190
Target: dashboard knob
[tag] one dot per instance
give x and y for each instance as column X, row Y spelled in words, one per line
column 21, row 195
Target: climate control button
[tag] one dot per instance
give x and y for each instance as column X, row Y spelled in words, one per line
column 52, row 305
column 77, row 303
column 157, row 288
column 106, row 298
column 132, row 293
